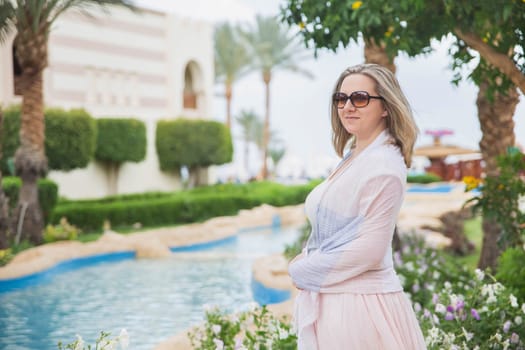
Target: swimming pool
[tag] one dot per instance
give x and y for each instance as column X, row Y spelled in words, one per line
column 152, row 299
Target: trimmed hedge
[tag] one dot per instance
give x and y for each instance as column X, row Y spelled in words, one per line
column 177, row 208
column 121, row 140
column 70, row 138
column 424, row 178
column 47, row 194
column 185, row 142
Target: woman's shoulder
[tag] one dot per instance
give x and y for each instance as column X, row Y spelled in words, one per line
column 385, row 160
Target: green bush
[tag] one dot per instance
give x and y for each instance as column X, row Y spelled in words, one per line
column 174, row 208
column 121, row 140
column 63, row 231
column 70, row 138
column 423, row 178
column 511, row 271
column 9, row 137
column 47, row 194
column 192, row 143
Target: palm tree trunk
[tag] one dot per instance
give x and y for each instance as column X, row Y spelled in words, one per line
column 267, row 76
column 30, row 160
column 247, row 155
column 228, row 105
column 4, row 204
column 497, row 125
column 377, row 54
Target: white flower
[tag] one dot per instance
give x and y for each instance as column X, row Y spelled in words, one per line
column 440, row 308
column 523, row 307
column 518, row 320
column 436, row 275
column 447, row 285
column 216, row 329
column 124, row 338
column 219, row 344
column 513, row 301
column 468, row 335
column 79, row 344
column 480, row 275
column 435, row 319
column 492, row 299
column 409, row 266
column 497, row 336
column 283, row 334
column 417, row 307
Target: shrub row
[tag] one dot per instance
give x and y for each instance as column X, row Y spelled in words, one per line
column 423, row 178
column 47, row 193
column 183, row 207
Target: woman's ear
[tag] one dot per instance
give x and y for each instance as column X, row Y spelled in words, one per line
column 384, row 114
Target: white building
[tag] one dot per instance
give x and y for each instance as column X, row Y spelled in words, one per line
column 149, row 65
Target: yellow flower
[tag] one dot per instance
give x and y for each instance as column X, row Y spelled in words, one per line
column 301, row 25
column 356, row 5
column 471, row 183
column 389, row 32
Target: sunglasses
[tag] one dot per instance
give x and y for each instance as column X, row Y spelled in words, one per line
column 359, row 99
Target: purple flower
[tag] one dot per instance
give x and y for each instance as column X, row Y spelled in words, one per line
column 475, row 314
column 435, row 298
column 426, row 313
column 514, row 338
column 449, row 316
column 506, row 326
column 460, row 304
column 450, row 308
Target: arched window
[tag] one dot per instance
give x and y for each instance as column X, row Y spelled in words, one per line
column 192, row 86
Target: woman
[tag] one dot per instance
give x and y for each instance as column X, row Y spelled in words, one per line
column 350, row 296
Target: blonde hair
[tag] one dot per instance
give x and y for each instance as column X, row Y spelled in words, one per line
column 400, row 121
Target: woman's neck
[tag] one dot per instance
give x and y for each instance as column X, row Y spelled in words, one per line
column 362, row 143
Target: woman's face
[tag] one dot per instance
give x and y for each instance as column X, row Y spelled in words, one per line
column 363, row 122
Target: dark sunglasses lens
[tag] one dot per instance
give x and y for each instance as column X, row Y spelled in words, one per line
column 340, row 99
column 359, row 99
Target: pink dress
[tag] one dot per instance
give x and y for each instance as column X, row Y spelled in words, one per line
column 351, row 297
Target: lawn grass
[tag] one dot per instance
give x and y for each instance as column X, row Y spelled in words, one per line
column 474, row 233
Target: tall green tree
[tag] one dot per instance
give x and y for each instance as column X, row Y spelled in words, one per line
column 231, row 61
column 272, row 47
column 32, row 21
column 494, row 29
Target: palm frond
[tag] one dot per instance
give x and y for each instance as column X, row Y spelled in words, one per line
column 85, row 5
column 7, row 15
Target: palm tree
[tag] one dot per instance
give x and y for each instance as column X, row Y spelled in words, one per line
column 231, row 61
column 32, row 20
column 495, row 114
column 272, row 47
column 249, row 122
column 277, row 153
column 4, row 214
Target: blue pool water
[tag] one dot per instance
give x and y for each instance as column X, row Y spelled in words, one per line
column 152, row 299
column 442, row 188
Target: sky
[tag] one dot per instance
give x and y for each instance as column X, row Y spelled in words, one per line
column 300, row 106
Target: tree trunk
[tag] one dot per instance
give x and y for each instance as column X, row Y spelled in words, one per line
column 267, row 77
column 228, row 105
column 497, row 125
column 112, row 169
column 247, row 156
column 30, row 161
column 4, row 204
column 377, row 54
